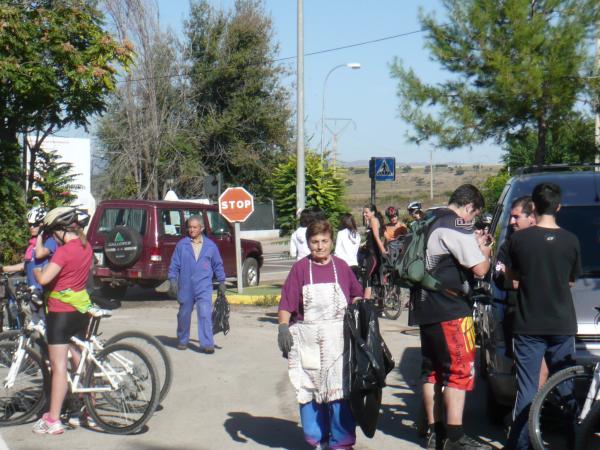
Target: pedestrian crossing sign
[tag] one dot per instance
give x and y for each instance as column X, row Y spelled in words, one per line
column 382, row 169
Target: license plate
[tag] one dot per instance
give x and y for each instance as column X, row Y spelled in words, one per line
column 99, row 257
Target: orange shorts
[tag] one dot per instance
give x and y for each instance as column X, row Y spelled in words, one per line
column 448, row 350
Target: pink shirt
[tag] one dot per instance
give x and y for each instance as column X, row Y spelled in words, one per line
column 75, row 261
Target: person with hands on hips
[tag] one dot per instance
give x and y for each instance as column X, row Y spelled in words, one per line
column 313, row 303
column 195, row 262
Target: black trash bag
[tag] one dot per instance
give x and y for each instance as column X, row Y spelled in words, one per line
column 220, row 314
column 368, row 362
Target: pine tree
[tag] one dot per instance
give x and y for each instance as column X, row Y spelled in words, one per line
column 515, row 66
column 54, row 181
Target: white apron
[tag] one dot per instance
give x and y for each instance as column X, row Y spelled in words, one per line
column 316, row 360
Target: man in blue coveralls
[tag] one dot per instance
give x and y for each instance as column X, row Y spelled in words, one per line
column 196, row 260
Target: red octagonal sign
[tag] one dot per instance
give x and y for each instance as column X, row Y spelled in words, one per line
column 236, row 204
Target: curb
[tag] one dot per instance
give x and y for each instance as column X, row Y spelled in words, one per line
column 244, row 299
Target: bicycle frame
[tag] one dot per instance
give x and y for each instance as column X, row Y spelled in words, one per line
column 593, row 394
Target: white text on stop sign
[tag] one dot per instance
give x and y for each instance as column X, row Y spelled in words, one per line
column 233, row 204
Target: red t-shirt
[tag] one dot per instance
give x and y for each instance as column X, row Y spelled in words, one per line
column 75, row 261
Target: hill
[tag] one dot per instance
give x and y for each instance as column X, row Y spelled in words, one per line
column 412, row 183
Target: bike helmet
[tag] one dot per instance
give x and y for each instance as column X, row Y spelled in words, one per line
column 65, row 218
column 391, row 212
column 36, row 215
column 414, row 207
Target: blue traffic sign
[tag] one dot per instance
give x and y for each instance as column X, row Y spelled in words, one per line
column 383, row 169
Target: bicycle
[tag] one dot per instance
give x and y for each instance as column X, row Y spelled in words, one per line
column 11, row 300
column 119, row 383
column 565, row 412
column 146, row 342
column 394, row 297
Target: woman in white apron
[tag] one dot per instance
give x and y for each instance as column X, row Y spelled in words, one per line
column 311, row 333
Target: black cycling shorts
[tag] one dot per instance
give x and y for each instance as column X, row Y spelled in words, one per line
column 62, row 326
column 371, row 275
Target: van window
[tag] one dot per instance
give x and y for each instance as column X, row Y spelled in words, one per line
column 584, row 222
column 134, row 218
column 187, row 213
column 218, row 223
column 170, row 222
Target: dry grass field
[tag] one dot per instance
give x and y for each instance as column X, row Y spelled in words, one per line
column 412, row 184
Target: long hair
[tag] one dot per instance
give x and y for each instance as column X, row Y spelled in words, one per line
column 377, row 214
column 347, row 221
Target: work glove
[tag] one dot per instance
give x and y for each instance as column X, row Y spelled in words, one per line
column 173, row 288
column 285, row 339
column 222, row 288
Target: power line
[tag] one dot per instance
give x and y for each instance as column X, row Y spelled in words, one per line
column 358, row 44
column 287, row 58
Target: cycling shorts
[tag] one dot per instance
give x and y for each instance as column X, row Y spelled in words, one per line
column 62, row 326
column 448, row 350
column 371, row 275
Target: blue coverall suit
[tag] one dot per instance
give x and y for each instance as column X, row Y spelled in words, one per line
column 194, row 287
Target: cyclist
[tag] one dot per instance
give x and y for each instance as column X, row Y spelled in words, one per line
column 37, row 255
column 374, row 247
column 394, row 228
column 415, row 210
column 65, row 278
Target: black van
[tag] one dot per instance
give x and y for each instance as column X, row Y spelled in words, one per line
column 580, row 214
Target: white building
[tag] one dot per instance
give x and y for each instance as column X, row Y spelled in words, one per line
column 76, row 151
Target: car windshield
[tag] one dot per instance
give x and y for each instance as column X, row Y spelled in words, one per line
column 584, row 221
column 134, row 218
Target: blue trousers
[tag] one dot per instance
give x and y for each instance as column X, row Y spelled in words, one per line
column 184, row 320
column 328, row 423
column 529, row 350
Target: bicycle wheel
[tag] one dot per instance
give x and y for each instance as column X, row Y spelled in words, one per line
column 126, row 409
column 392, row 302
column 27, row 396
column 158, row 353
column 589, row 433
column 553, row 417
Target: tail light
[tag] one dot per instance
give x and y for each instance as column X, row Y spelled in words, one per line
column 155, row 254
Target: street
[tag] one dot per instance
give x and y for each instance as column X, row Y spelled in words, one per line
column 241, row 396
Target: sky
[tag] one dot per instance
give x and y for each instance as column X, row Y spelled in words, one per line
column 366, row 96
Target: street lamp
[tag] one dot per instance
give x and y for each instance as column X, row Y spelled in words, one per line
column 353, row 66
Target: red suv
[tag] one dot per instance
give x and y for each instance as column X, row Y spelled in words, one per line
column 133, row 241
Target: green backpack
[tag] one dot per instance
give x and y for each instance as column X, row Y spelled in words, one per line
column 411, row 267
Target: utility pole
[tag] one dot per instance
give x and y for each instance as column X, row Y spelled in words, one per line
column 431, row 173
column 300, row 188
column 336, row 133
column 597, row 133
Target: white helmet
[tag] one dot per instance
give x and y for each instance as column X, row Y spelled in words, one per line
column 65, row 217
column 36, row 215
column 413, row 207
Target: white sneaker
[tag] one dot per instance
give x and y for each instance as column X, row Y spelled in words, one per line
column 43, row 426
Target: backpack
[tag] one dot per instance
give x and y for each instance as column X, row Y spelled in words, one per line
column 411, row 266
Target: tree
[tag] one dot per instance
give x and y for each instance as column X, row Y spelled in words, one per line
column 242, row 110
column 56, row 66
column 571, row 142
column 517, row 66
column 145, row 137
column 324, row 188
column 54, row 181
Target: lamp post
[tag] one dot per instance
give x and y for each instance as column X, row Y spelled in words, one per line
column 353, row 66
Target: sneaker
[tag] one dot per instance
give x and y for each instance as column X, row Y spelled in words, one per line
column 431, row 440
column 81, row 419
column 43, row 426
column 465, row 443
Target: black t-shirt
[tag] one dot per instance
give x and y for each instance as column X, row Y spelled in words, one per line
column 451, row 251
column 546, row 260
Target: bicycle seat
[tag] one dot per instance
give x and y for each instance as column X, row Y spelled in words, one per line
column 106, row 303
column 94, row 311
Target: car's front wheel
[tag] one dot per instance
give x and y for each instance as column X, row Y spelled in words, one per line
column 250, row 272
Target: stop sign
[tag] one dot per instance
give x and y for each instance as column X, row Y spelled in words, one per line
column 236, row 204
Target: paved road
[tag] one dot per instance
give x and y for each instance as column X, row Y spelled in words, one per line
column 241, row 398
column 275, row 268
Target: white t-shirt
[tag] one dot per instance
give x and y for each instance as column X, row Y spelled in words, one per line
column 346, row 246
column 298, row 244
